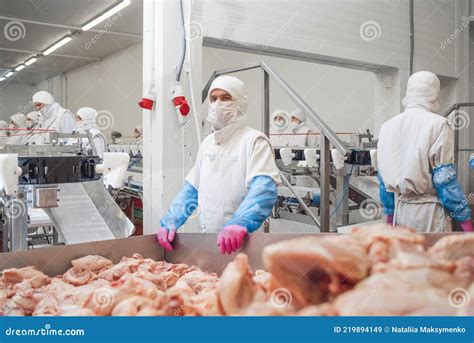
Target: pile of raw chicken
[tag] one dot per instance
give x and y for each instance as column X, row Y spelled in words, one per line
column 374, row 270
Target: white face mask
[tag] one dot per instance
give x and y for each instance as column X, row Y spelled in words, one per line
column 29, row 124
column 222, row 113
column 294, row 125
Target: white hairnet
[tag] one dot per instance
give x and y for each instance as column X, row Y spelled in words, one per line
column 19, row 119
column 35, row 116
column 298, row 114
column 3, row 125
column 235, row 87
column 88, row 116
column 43, row 97
column 422, row 90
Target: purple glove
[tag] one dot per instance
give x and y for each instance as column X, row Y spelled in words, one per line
column 466, row 226
column 166, row 237
column 390, row 219
column 230, row 239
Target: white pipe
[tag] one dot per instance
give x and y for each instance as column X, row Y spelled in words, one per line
column 191, row 81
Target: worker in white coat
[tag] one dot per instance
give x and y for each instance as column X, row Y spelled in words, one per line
column 19, row 132
column 301, row 136
column 3, row 133
column 234, row 181
column 417, row 174
column 86, row 120
column 55, row 117
column 33, row 122
column 138, row 134
column 280, row 131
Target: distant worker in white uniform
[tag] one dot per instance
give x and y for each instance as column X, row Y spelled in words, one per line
column 138, row 134
column 417, row 174
column 234, row 181
column 301, row 136
column 86, row 120
column 55, row 117
column 280, row 134
column 33, row 122
column 3, row 133
column 19, row 132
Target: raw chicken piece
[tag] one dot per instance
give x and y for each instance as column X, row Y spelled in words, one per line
column 58, row 286
column 47, row 306
column 81, row 295
column 207, row 303
column 24, row 297
column 453, row 247
column 94, row 263
column 171, row 278
column 316, row 269
column 157, row 279
column 197, row 277
column 120, row 269
column 237, row 290
column 388, row 301
column 104, row 299
column 30, row 273
column 10, row 308
column 78, row 276
column 138, row 286
column 264, row 280
column 181, row 289
column 132, row 306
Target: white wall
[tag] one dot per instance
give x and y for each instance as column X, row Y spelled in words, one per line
column 14, row 98
column 114, row 84
column 342, row 97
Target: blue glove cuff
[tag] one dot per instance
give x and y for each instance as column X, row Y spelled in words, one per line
column 183, row 205
column 387, row 198
column 257, row 204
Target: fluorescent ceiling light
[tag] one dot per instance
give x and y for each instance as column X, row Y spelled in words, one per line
column 106, row 15
column 31, row 61
column 57, row 45
column 10, row 73
column 2, row 79
column 20, row 67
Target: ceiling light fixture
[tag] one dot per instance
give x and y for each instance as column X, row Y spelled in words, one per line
column 57, row 45
column 10, row 73
column 106, row 15
column 2, row 79
column 20, row 67
column 31, row 61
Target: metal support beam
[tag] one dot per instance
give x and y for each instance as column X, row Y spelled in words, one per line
column 40, row 53
column 17, row 215
column 324, row 184
column 342, row 198
column 69, row 27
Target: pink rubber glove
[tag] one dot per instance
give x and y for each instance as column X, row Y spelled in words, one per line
column 466, row 226
column 166, row 237
column 390, row 219
column 230, row 239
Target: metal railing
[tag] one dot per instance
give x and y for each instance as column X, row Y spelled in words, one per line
column 328, row 137
column 456, row 108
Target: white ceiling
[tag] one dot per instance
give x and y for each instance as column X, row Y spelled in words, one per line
column 117, row 33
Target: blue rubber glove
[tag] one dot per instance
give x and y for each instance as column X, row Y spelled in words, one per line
column 183, row 205
column 257, row 204
column 450, row 193
column 387, row 199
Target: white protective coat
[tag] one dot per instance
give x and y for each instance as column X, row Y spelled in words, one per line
column 19, row 135
column 301, row 136
column 88, row 116
column 410, row 145
column 227, row 161
column 3, row 133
